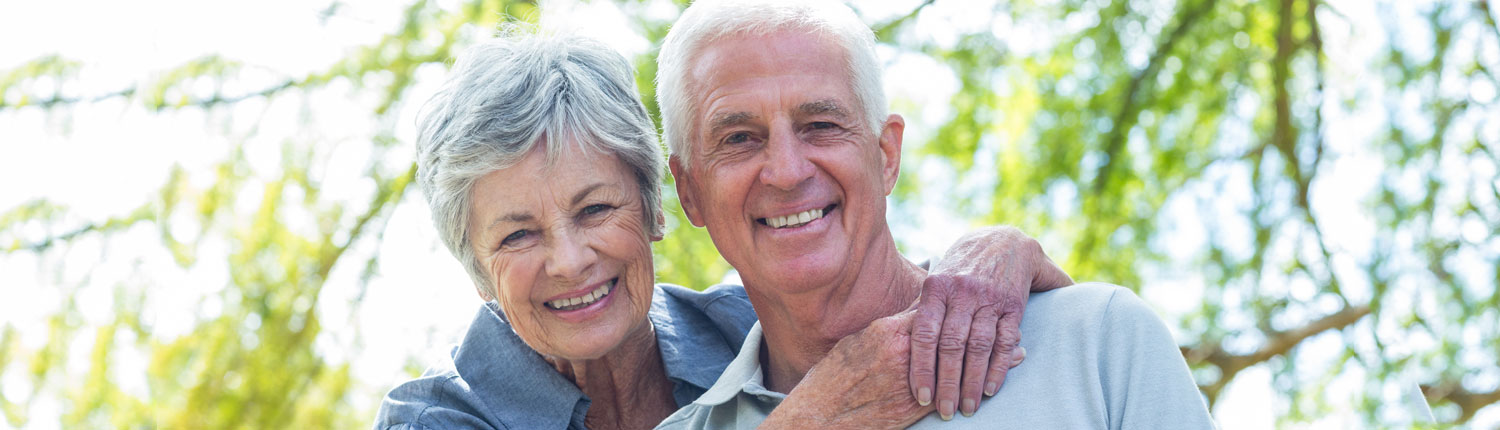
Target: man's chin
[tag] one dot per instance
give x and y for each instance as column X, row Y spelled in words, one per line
column 801, row 275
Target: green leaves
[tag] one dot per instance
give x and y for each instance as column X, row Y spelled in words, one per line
column 1209, row 144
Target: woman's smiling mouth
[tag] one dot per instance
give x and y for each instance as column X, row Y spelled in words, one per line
column 585, row 300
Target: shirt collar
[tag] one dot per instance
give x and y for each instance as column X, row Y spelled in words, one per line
column 743, row 375
column 692, row 362
column 492, row 352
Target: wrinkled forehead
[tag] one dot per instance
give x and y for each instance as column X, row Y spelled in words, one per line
column 806, row 73
column 771, row 49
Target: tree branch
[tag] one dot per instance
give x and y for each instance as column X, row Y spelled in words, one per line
column 883, row 30
column 216, row 99
column 1277, row 343
column 1125, row 118
column 1469, row 402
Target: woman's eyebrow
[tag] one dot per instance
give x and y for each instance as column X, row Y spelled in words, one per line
column 578, row 197
column 513, row 217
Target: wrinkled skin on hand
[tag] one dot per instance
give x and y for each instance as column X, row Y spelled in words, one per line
column 961, row 337
column 965, row 336
column 860, row 384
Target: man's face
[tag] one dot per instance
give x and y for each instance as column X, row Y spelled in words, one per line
column 785, row 175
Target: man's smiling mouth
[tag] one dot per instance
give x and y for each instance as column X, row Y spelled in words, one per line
column 797, row 219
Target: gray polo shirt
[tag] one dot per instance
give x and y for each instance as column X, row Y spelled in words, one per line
column 1096, row 358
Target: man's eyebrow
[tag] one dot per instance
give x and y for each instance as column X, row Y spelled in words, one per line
column 824, row 106
column 727, row 119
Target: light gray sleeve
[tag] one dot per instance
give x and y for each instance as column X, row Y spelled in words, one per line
column 1146, row 381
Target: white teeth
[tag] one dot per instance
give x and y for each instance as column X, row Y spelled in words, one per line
column 796, row 219
column 583, row 300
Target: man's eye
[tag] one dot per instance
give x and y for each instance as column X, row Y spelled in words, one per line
column 821, row 125
column 595, row 209
column 739, row 137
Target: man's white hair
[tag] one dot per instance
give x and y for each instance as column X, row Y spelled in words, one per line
column 707, row 21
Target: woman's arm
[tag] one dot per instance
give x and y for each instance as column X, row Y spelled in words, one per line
column 970, row 307
column 968, row 320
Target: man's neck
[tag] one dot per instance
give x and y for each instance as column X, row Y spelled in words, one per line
column 800, row 329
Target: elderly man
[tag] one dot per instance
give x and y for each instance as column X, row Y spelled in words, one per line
column 781, row 148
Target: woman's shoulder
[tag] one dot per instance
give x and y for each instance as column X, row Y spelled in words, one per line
column 723, row 305
column 491, row 379
column 704, row 296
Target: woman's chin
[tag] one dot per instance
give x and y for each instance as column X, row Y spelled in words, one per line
column 588, row 343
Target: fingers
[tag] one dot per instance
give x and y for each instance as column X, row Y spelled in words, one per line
column 981, row 344
column 925, row 326
column 952, row 344
column 1048, row 276
column 1007, row 352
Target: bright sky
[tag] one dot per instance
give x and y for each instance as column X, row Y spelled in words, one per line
column 104, row 159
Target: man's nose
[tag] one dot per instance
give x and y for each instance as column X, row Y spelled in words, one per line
column 570, row 256
column 786, row 165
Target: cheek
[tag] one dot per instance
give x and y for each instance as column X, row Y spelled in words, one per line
column 626, row 242
column 512, row 283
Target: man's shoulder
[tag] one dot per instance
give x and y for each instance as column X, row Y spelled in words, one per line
column 1088, row 300
column 1089, row 312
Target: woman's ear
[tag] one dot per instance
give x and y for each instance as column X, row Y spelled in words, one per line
column 661, row 226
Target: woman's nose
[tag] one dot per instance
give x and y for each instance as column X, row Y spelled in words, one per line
column 570, row 257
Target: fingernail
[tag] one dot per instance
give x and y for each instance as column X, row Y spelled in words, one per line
column 1020, row 355
column 946, row 410
column 989, row 390
column 924, row 396
column 968, row 409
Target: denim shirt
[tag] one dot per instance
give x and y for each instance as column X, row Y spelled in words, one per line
column 494, row 381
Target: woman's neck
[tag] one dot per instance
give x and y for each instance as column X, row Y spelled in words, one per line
column 627, row 387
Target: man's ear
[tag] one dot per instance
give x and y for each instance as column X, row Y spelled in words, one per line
column 683, row 181
column 890, row 150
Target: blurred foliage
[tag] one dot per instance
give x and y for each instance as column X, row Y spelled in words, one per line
column 1111, row 130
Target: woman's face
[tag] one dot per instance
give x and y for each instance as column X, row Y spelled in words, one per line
column 567, row 249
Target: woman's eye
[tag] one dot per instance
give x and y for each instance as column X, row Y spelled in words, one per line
column 513, row 237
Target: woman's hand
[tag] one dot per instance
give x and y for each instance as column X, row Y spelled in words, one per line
column 967, row 327
column 860, row 384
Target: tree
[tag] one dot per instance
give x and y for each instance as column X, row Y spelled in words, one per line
column 1335, row 212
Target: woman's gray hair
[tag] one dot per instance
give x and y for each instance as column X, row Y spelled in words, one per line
column 707, row 21
column 509, row 94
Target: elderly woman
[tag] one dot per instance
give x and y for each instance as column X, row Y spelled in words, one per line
column 543, row 174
